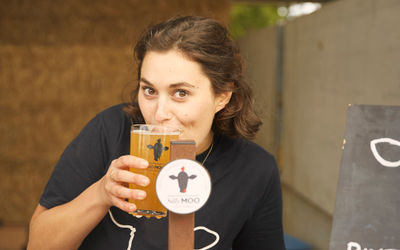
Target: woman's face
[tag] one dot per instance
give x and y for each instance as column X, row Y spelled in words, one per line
column 175, row 92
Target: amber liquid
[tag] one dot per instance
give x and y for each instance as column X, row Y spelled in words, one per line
column 155, row 148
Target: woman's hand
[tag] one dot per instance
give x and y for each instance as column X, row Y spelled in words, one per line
column 114, row 184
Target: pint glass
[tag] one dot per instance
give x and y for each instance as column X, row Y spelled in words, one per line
column 151, row 142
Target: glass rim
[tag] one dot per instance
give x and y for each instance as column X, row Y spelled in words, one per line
column 155, row 128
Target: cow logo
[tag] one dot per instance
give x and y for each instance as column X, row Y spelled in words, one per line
column 158, row 148
column 183, row 179
column 193, row 181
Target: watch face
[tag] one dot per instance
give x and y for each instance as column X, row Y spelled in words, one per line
column 183, row 186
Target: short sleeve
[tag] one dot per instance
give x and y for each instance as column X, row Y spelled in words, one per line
column 82, row 163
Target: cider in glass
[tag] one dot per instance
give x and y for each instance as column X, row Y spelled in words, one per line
column 151, row 142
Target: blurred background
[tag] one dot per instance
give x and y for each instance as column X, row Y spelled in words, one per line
column 62, row 62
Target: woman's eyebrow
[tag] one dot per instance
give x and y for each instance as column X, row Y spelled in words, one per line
column 144, row 80
column 182, row 84
column 172, row 85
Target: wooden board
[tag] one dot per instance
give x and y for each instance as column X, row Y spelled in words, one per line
column 181, row 226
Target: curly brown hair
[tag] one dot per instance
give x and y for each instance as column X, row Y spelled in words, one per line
column 207, row 42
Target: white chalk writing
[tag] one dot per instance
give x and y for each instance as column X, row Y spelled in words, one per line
column 379, row 158
column 355, row 246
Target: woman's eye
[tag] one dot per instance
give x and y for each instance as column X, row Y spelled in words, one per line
column 180, row 93
column 148, row 91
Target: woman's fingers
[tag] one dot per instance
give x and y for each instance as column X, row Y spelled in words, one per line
column 120, row 175
column 115, row 182
column 118, row 170
column 118, row 194
column 124, row 205
column 121, row 194
column 126, row 161
column 127, row 193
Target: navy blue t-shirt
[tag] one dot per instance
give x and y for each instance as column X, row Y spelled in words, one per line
column 244, row 210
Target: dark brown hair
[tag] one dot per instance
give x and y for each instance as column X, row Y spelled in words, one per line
column 207, row 42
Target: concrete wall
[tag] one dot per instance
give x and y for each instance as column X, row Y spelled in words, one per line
column 346, row 53
column 259, row 50
column 61, row 62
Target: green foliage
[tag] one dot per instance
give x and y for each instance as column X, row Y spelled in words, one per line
column 252, row 16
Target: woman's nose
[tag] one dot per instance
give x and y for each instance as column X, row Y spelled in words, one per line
column 163, row 112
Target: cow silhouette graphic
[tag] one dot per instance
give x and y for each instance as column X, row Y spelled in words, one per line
column 158, row 148
column 183, row 179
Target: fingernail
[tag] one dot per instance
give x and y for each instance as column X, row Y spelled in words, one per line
column 141, row 195
column 145, row 181
column 144, row 164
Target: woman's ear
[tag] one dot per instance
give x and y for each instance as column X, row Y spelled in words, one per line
column 221, row 100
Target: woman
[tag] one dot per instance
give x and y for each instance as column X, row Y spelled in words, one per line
column 190, row 76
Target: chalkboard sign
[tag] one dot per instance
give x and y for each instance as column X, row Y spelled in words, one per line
column 367, row 210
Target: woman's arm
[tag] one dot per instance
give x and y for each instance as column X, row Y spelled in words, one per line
column 67, row 225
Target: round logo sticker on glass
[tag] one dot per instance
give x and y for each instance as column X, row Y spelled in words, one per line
column 183, row 186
